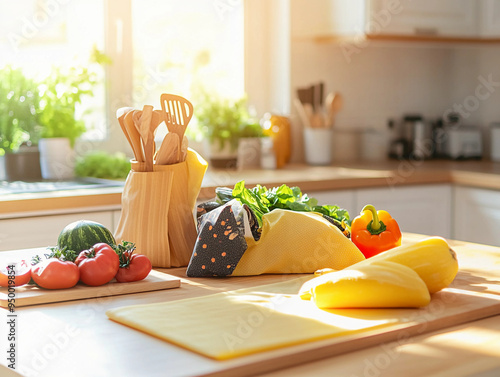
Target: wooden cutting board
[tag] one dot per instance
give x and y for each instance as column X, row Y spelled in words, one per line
column 32, row 295
column 252, row 320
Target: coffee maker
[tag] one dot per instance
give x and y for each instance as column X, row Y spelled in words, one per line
column 412, row 138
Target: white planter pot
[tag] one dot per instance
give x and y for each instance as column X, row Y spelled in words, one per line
column 225, row 158
column 249, row 153
column 57, row 159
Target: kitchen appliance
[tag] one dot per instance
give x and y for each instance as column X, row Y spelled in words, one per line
column 418, row 133
column 413, row 138
column 495, row 141
column 463, row 142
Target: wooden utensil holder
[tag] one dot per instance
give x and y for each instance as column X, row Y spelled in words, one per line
column 157, row 210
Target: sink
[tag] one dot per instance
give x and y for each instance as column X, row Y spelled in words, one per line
column 45, row 185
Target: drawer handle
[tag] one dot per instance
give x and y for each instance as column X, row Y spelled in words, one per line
column 425, row 31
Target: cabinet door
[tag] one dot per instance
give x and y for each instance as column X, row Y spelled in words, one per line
column 116, row 219
column 490, row 18
column 42, row 231
column 326, row 17
column 417, row 209
column 477, row 215
column 343, row 199
column 424, row 17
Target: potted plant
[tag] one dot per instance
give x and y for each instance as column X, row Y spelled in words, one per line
column 222, row 123
column 18, row 103
column 60, row 95
column 249, row 146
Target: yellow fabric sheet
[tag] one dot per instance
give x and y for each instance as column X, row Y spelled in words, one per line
column 237, row 323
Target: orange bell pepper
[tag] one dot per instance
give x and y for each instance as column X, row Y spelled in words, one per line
column 374, row 231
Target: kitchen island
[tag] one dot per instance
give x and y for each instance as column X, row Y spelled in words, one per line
column 75, row 338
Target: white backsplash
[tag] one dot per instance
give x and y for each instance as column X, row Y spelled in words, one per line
column 388, row 79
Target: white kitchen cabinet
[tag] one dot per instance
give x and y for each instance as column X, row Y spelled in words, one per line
column 457, row 18
column 342, row 198
column 40, row 231
column 421, row 209
column 476, row 216
column 331, row 19
column 326, row 17
column 116, row 219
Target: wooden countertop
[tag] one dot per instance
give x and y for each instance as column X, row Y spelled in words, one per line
column 76, row 338
column 353, row 175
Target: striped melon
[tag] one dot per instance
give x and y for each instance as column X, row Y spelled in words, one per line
column 83, row 234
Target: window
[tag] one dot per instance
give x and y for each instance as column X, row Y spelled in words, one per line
column 36, row 35
column 173, row 46
column 184, row 46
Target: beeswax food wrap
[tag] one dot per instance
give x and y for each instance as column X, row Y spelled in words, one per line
column 237, row 323
column 157, row 210
column 290, row 242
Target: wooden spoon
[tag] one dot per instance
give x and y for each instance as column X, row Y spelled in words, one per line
column 135, row 137
column 169, row 150
column 335, row 107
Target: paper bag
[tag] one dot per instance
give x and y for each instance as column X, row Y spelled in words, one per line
column 157, row 210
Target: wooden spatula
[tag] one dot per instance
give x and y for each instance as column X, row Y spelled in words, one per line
column 142, row 120
column 135, row 137
column 120, row 115
column 177, row 112
column 184, row 148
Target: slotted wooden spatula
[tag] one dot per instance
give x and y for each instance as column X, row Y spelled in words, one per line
column 177, row 112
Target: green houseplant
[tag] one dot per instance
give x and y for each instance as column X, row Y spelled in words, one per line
column 60, row 94
column 223, row 123
column 19, row 100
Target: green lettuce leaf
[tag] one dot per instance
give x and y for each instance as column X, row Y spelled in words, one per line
column 262, row 200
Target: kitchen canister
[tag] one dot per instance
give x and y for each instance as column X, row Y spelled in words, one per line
column 374, row 145
column 249, row 152
column 318, row 146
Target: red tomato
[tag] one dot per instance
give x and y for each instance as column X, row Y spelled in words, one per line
column 98, row 265
column 53, row 273
column 21, row 276
column 139, row 267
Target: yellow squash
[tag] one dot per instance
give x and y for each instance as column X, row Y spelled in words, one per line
column 379, row 284
column 432, row 259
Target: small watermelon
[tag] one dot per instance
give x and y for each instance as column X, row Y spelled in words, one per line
column 83, row 234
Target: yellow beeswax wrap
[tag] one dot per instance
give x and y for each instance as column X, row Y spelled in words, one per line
column 246, row 321
column 157, row 210
column 296, row 242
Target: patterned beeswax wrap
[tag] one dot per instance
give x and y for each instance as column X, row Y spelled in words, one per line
column 157, row 210
column 290, row 242
column 221, row 241
column 231, row 324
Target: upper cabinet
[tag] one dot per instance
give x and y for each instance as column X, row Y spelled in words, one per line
column 453, row 20
column 423, row 18
column 489, row 26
